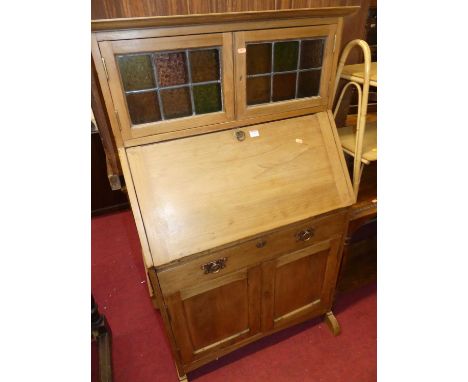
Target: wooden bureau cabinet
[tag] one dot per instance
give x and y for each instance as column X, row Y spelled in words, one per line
column 232, row 295
column 233, row 167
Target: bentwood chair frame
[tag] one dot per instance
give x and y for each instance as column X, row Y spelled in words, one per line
column 363, row 96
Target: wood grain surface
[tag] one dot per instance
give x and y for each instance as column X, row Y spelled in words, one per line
column 246, row 254
column 111, row 9
column 201, row 192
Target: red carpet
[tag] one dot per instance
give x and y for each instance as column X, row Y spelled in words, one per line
column 307, row 352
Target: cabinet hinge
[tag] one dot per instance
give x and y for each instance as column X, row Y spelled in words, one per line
column 118, row 119
column 105, row 67
column 334, row 45
column 347, row 240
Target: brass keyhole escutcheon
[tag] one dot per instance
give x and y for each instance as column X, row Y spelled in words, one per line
column 240, row 135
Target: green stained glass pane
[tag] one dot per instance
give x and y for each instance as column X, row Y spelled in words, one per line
column 172, row 69
column 136, row 72
column 204, row 65
column 258, row 58
column 143, row 107
column 207, row 98
column 312, row 53
column 285, row 56
column 309, row 83
column 176, row 102
column 284, row 86
column 258, row 90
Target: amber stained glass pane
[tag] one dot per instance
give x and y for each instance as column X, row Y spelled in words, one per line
column 311, row 53
column 309, row 83
column 176, row 102
column 143, row 107
column 136, row 72
column 204, row 65
column 258, row 90
column 172, row 69
column 285, row 56
column 207, row 98
column 284, row 86
column 258, row 58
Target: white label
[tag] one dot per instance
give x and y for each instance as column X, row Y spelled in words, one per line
column 298, row 140
column 254, row 133
column 241, row 50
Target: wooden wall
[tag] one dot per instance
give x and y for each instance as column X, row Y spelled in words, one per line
column 109, row 9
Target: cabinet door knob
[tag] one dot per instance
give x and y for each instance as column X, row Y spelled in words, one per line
column 261, row 243
column 214, row 266
column 305, row 234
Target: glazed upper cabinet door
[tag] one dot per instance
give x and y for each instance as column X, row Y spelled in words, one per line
column 279, row 70
column 299, row 285
column 170, row 83
column 216, row 313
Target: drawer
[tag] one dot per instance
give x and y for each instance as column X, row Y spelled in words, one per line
column 197, row 269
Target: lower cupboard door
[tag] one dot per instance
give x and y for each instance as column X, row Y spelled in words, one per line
column 299, row 285
column 215, row 314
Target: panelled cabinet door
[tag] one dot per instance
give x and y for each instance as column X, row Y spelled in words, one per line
column 216, row 313
column 170, row 83
column 299, row 285
column 279, row 70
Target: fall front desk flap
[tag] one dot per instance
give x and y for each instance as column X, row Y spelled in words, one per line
column 201, row 192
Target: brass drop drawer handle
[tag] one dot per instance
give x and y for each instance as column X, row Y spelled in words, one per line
column 214, row 266
column 305, row 234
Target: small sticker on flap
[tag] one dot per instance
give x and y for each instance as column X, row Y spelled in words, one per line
column 254, row 133
column 299, row 140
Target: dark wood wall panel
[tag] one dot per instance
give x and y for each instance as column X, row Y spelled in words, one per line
column 110, row 9
column 213, row 6
column 294, row 4
column 253, row 5
column 223, row 6
column 114, row 9
column 171, row 7
column 354, row 26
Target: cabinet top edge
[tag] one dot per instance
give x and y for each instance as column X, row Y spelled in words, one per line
column 164, row 21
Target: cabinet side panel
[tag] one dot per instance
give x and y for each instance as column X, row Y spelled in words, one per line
column 165, row 317
column 106, row 94
column 148, row 260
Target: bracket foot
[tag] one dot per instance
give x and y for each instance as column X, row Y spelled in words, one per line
column 182, row 378
column 332, row 323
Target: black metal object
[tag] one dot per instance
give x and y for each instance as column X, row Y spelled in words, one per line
column 101, row 332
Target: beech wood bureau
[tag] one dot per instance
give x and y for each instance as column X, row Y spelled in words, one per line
column 233, row 168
